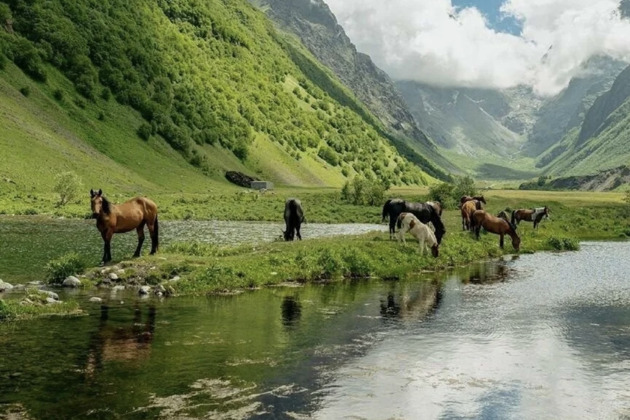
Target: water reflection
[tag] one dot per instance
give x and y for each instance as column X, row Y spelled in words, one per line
column 544, row 336
column 411, row 302
column 291, row 311
column 128, row 343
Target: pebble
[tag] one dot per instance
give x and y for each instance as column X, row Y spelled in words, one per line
column 4, row 286
column 95, row 299
column 113, row 276
column 144, row 290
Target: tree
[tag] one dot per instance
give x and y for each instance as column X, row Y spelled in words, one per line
column 67, row 185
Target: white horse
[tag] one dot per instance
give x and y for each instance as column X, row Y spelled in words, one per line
column 407, row 222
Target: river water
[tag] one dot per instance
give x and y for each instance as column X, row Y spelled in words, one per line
column 539, row 336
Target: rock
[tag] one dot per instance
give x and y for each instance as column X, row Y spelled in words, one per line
column 95, row 299
column 113, row 276
column 118, row 288
column 52, row 300
column 121, row 271
column 158, row 294
column 51, row 295
column 159, row 290
column 239, row 178
column 35, row 283
column 4, row 286
column 174, row 279
column 26, row 301
column 71, row 281
column 144, row 290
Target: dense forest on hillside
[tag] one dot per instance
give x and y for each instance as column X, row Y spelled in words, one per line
column 212, row 72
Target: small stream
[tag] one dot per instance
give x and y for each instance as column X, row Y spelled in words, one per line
column 537, row 336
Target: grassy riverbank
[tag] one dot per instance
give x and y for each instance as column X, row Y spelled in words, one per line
column 202, row 268
column 205, row 268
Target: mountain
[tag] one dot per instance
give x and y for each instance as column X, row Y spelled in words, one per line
column 195, row 88
column 317, row 28
column 601, row 141
column 510, row 133
column 567, row 110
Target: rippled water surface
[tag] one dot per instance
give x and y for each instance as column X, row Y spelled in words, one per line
column 540, row 336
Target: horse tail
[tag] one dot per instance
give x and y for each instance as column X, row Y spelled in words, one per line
column 386, row 209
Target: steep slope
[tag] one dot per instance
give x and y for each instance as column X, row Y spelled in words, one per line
column 213, row 82
column 565, row 111
column 317, row 28
column 598, row 116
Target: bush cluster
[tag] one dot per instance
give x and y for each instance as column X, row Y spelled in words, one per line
column 362, row 191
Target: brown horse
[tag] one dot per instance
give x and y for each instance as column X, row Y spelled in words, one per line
column 530, row 215
column 130, row 215
column 495, row 225
column 437, row 206
column 465, row 198
column 468, row 208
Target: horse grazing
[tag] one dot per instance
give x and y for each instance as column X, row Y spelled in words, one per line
column 466, row 198
column 495, row 225
column 530, row 215
column 468, row 208
column 425, row 212
column 293, row 218
column 132, row 214
column 407, row 222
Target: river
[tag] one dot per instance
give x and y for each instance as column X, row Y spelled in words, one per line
column 545, row 335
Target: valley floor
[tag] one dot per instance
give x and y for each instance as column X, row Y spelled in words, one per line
column 203, row 268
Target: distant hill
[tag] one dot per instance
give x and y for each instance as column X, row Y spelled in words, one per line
column 171, row 94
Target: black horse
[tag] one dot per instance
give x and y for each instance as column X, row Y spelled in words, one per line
column 423, row 211
column 293, row 218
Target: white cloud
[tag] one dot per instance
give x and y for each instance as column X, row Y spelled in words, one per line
column 432, row 42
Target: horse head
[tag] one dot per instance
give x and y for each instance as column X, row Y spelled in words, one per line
column 516, row 242
column 547, row 211
column 482, row 199
column 435, row 251
column 96, row 198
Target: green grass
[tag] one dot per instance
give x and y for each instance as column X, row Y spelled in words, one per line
column 34, row 305
column 210, row 269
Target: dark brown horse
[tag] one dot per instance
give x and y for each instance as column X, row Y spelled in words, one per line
column 530, row 215
column 130, row 215
column 465, row 198
column 468, row 208
column 495, row 225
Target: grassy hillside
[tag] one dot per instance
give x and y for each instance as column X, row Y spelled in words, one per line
column 167, row 96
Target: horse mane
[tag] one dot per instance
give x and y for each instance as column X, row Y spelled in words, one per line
column 106, row 205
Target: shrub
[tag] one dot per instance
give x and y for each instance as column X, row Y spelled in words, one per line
column 26, row 57
column 567, row 244
column 25, row 90
column 58, row 95
column 106, row 94
column 67, row 265
column 67, row 185
column 443, row 192
column 361, row 191
column 327, row 154
column 144, row 131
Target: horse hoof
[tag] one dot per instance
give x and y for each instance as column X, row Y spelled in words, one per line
column 136, row 255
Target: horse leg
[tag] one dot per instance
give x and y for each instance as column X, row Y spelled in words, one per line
column 154, row 234
column 140, row 230
column 501, row 241
column 392, row 227
column 107, row 250
column 421, row 245
column 297, row 230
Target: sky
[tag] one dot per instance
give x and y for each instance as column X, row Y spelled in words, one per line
column 486, row 43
